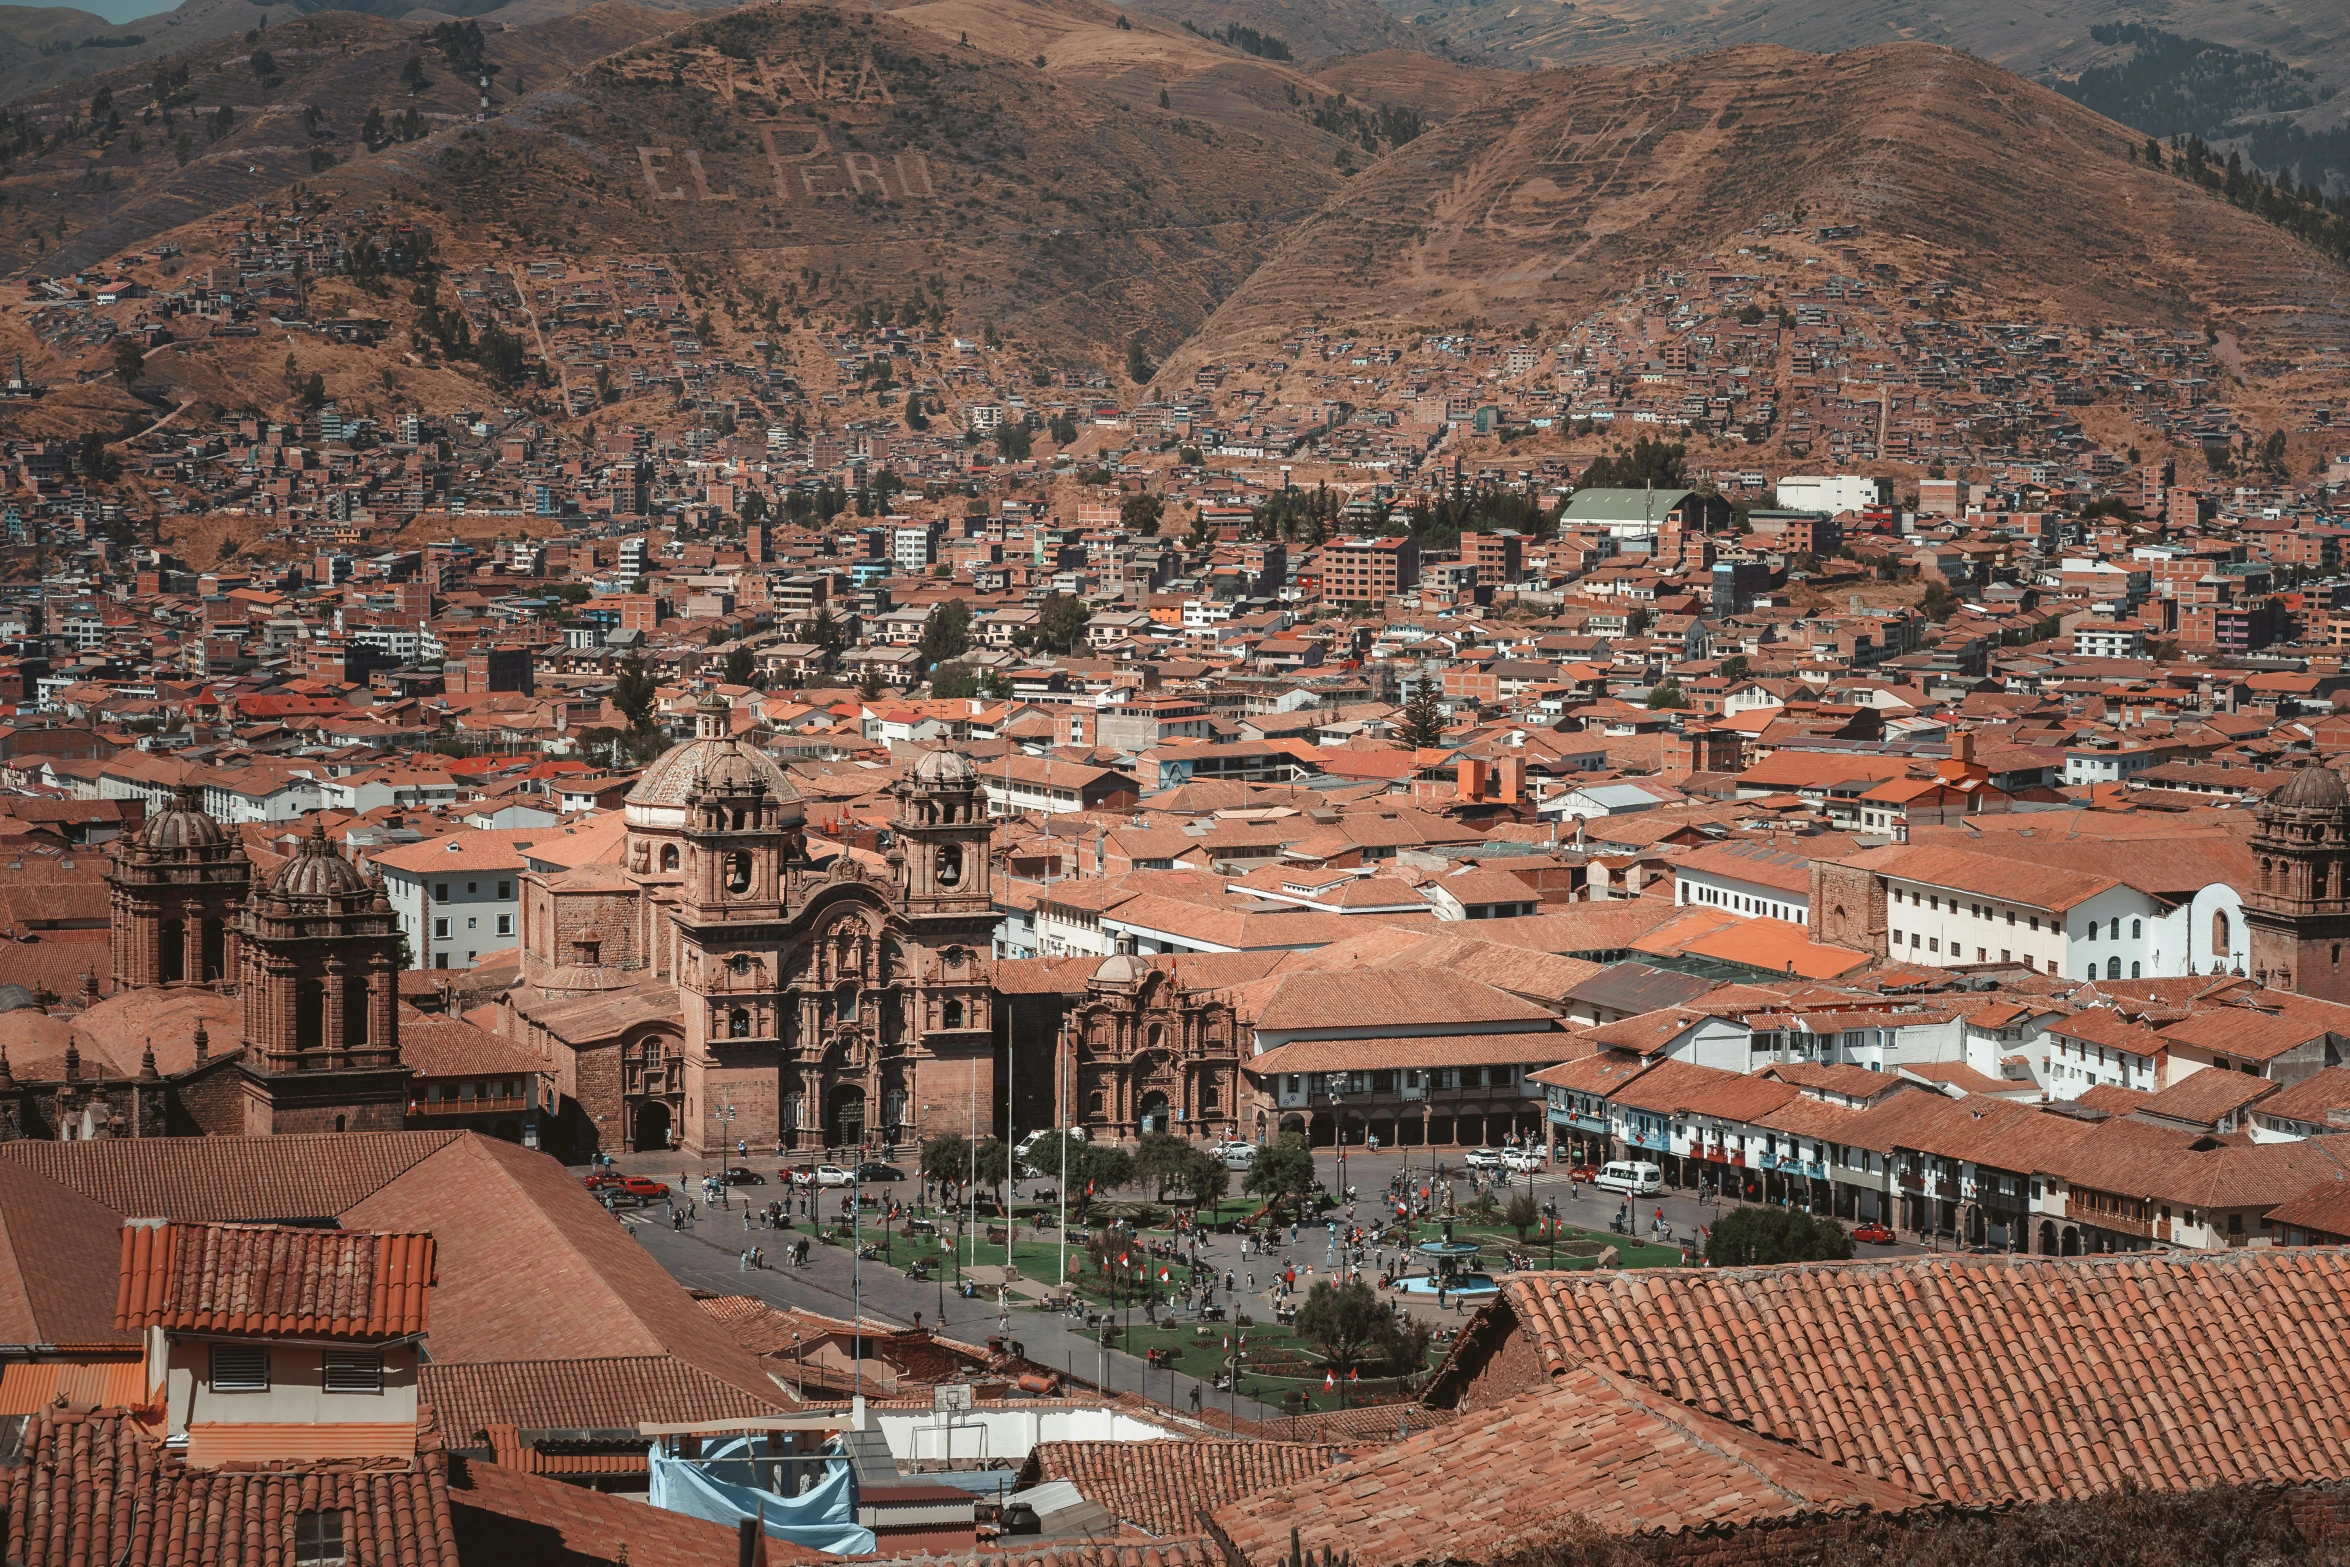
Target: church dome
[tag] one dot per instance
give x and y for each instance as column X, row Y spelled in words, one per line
column 317, row 871
column 181, row 825
column 1119, row 970
column 2314, row 788
column 673, row 773
column 943, row 769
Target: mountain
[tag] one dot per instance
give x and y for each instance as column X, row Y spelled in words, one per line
column 2219, row 48
column 1295, row 29
column 1555, row 196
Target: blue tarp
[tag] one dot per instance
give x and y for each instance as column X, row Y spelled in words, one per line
column 722, row 1487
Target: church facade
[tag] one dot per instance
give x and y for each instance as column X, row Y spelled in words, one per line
column 724, row 988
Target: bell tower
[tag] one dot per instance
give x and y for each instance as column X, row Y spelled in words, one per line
column 2297, row 912
column 943, row 836
column 321, row 955
column 176, row 888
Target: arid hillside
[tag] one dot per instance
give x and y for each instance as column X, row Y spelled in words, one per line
column 1555, row 195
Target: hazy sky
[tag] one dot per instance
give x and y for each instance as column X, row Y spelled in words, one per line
column 117, row 11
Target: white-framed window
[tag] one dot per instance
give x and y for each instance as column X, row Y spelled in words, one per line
column 440, row 930
column 505, row 924
column 240, row 1368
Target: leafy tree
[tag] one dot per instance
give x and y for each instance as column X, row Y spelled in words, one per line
column 1159, row 1160
column 633, row 692
column 264, row 63
column 1650, row 461
column 372, row 132
column 1012, row 442
column 1140, row 513
column 1939, row 602
column 98, row 465
column 1521, row 1214
column 1354, row 1329
column 946, row 633
column 1139, row 368
column 739, row 667
column 826, row 633
column 1750, row 315
column 1733, row 668
column 1206, row 1178
column 994, row 1164
column 129, row 359
column 945, row 1160
column 954, row 682
column 1666, row 694
column 412, row 76
column 1283, row 1170
column 1060, row 626
column 314, row 391
column 500, row 353
column 869, row 682
column 1759, row 1235
column 1421, row 725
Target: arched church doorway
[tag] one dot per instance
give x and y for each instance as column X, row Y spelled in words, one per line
column 652, row 1127
column 1154, row 1114
column 845, row 1126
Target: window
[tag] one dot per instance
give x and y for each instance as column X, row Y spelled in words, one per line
column 505, row 890
column 738, row 872
column 738, row 1023
column 2137, row 929
column 318, row 1538
column 440, row 960
column 471, row 888
column 240, row 1368
column 951, row 1014
column 669, row 856
column 354, row 1371
column 505, row 924
column 2113, row 968
column 440, row 930
column 844, row 1003
column 440, row 892
column 2222, row 939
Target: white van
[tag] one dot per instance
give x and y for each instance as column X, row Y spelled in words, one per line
column 1639, row 1179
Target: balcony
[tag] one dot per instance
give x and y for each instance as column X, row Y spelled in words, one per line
column 513, row 1105
column 1654, row 1142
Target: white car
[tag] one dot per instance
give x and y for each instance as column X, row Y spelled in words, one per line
column 1236, row 1155
column 1521, row 1161
column 1482, row 1159
column 834, row 1175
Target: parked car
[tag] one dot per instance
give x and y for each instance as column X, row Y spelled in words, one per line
column 834, row 1175
column 1874, row 1235
column 805, row 1175
column 1586, row 1173
column 603, row 1179
column 875, row 1170
column 643, row 1186
column 1521, row 1161
column 1236, row 1154
column 1482, row 1158
column 739, row 1176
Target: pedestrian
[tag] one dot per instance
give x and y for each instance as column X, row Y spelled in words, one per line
column 742, row 1262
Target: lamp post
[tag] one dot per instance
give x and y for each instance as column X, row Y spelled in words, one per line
column 800, row 1360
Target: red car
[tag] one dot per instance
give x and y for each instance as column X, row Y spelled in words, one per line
column 1874, row 1234
column 641, row 1186
column 1586, row 1173
column 603, row 1180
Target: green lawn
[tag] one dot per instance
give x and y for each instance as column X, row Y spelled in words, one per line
column 1279, row 1363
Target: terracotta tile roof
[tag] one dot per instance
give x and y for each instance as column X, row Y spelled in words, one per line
column 57, row 1264
column 611, row 1394
column 2018, row 882
column 2277, row 1024
column 2178, row 1371
column 1192, row 1552
column 274, row 1280
column 1393, row 997
column 97, row 1488
column 2324, row 1209
column 503, row 1515
column 1505, row 1480
column 1164, row 1486
column 2312, row 1099
column 2208, row 1096
column 230, row 1179
column 1354, row 1427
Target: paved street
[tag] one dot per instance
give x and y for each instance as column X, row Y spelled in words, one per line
column 706, row 1255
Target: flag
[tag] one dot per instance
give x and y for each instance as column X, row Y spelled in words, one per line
column 1125, row 1258
column 1164, row 1275
column 1329, row 1383
column 1353, row 1375
column 1227, row 1341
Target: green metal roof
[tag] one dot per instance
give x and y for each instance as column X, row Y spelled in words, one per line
column 1623, row 505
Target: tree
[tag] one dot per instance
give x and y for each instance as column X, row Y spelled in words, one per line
column 993, row 1164
column 1650, row 461
column 129, row 359
column 633, row 692
column 1163, row 103
column 826, row 633
column 1939, row 602
column 314, row 392
column 1283, row 1170
column 1748, row 1236
column 1140, row 513
column 1666, row 694
column 98, row 465
column 946, row 1160
column 412, row 76
column 1354, row 1329
column 372, row 132
column 1206, row 1178
column 946, row 633
column 1060, row 626
column 954, row 682
column 1521, row 1214
column 1139, row 368
column 1158, row 1161
column 739, row 667
column 869, row 681
column 1733, row 668
column 1422, row 722
column 1012, row 442
column 264, row 63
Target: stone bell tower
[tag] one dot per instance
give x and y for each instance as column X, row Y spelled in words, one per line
column 2297, row 912
column 321, row 957
column 176, row 888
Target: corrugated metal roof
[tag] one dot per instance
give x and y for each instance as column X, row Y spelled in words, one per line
column 276, row 1280
column 26, row 1387
column 212, row 1444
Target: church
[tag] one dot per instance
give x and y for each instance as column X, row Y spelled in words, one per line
column 726, row 984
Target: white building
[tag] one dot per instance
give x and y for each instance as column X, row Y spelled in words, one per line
column 456, row 897
column 1830, row 494
column 2104, row 639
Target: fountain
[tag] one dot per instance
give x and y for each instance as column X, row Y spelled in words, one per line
column 1452, row 1264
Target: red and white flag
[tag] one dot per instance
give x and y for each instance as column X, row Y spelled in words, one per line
column 1329, row 1383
